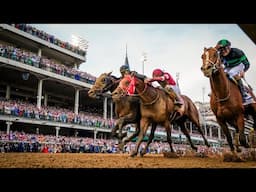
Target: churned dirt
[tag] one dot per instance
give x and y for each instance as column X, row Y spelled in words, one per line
column 87, row 160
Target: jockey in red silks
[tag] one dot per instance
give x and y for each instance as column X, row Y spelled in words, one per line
column 168, row 83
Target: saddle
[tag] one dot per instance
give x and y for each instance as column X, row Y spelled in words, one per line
column 179, row 109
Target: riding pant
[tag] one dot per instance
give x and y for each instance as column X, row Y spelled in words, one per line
column 234, row 70
column 175, row 88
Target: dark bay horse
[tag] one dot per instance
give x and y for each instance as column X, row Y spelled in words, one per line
column 226, row 100
column 157, row 106
column 127, row 109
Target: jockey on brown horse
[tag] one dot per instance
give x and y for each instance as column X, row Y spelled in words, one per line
column 235, row 65
column 170, row 87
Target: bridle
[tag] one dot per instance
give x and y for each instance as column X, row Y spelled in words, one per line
column 126, row 92
column 215, row 66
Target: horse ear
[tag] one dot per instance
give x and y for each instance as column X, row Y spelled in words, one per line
column 108, row 74
column 133, row 73
column 205, row 49
column 217, row 47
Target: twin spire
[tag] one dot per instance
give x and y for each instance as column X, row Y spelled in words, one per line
column 126, row 62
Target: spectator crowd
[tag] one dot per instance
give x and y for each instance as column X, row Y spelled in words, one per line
column 32, row 59
column 25, row 109
column 50, row 38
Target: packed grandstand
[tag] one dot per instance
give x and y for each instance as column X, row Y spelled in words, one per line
column 44, row 105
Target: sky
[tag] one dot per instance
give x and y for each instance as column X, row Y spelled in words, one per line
column 175, row 48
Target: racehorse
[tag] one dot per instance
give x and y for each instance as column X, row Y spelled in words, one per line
column 127, row 109
column 226, row 100
column 157, row 106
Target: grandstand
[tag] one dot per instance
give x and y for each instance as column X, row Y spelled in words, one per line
column 43, row 90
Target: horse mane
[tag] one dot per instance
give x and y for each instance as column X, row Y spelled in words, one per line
column 114, row 77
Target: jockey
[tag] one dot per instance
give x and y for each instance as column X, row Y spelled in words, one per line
column 124, row 69
column 168, row 83
column 235, row 64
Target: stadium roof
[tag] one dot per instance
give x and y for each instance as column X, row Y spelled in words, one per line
column 250, row 31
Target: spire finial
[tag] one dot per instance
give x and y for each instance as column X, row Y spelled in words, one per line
column 126, row 62
column 126, row 50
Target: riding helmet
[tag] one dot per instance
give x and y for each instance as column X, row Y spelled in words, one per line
column 124, row 68
column 224, row 43
column 157, row 72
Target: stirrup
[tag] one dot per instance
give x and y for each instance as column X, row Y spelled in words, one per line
column 246, row 97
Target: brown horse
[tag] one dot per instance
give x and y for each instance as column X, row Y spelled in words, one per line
column 226, row 99
column 127, row 109
column 157, row 106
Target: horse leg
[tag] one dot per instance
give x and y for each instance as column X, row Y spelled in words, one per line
column 225, row 129
column 119, row 126
column 250, row 110
column 151, row 136
column 199, row 128
column 186, row 133
column 113, row 132
column 240, row 125
column 253, row 132
column 168, row 134
column 122, row 123
column 144, row 123
column 127, row 139
column 254, row 120
column 130, row 118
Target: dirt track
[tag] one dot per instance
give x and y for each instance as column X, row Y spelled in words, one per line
column 83, row 160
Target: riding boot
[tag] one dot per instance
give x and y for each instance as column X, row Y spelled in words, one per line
column 242, row 89
column 177, row 100
column 174, row 96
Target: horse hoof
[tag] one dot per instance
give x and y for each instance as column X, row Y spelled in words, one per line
column 113, row 134
column 231, row 157
column 247, row 145
column 195, row 148
column 133, row 155
column 227, row 157
column 124, row 135
column 141, row 154
column 238, row 150
column 170, row 155
column 121, row 146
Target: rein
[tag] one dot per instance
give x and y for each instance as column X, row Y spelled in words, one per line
column 142, row 93
column 215, row 68
column 105, row 89
column 222, row 99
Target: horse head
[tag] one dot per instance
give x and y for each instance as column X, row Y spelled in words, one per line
column 102, row 84
column 126, row 87
column 211, row 61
